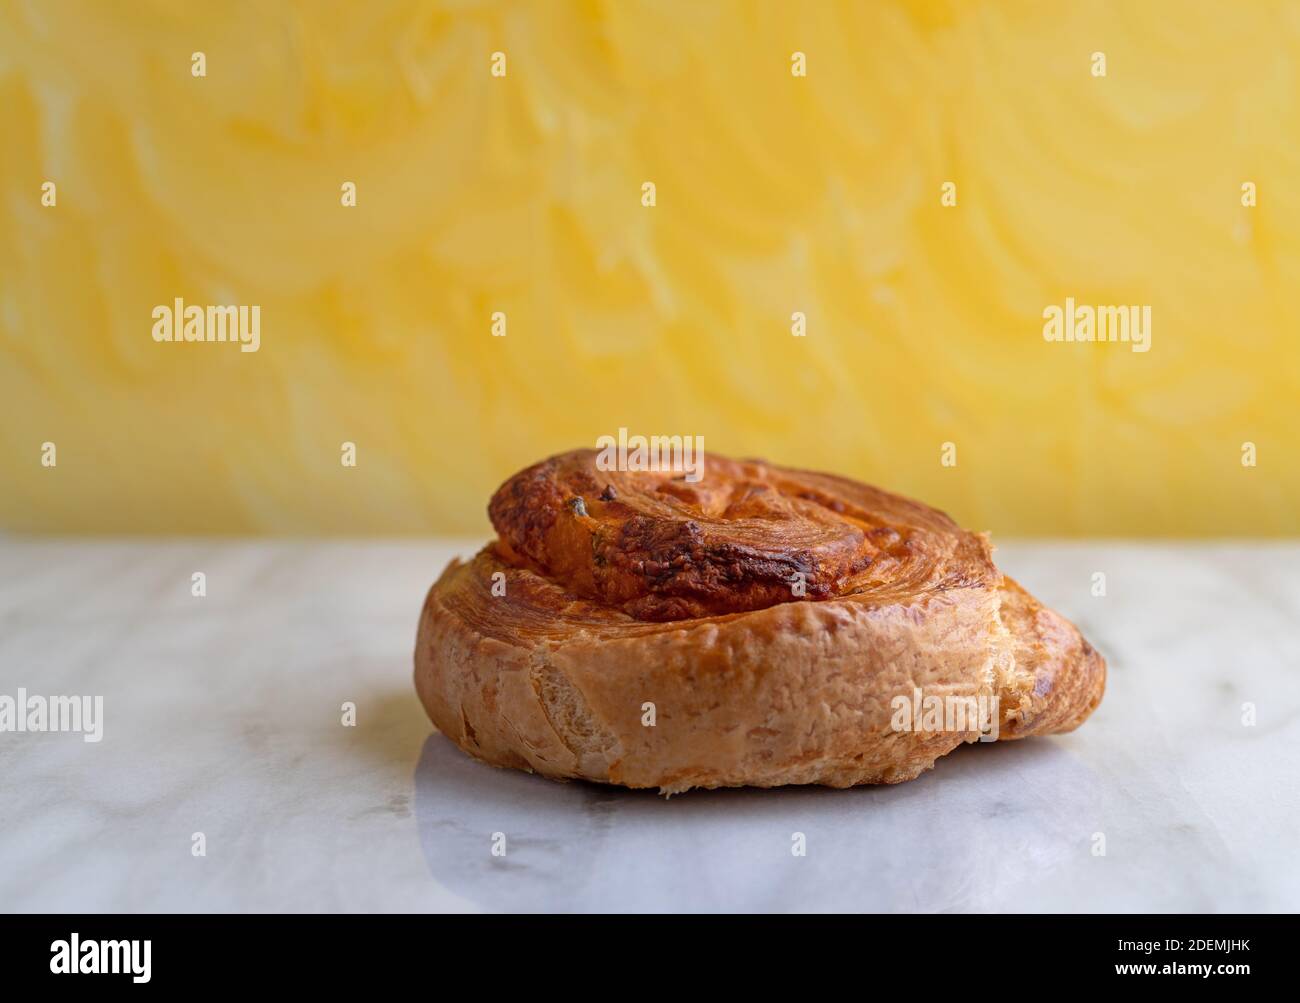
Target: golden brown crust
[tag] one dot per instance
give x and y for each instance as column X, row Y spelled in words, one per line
column 1068, row 674
column 662, row 548
column 674, row 601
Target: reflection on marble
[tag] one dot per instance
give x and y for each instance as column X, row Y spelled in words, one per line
column 222, row 715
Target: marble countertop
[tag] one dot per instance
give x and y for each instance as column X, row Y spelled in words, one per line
column 222, row 715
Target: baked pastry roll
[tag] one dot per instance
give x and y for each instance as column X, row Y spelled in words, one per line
column 762, row 626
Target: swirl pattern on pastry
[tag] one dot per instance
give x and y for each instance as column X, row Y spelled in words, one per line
column 766, row 622
column 661, row 548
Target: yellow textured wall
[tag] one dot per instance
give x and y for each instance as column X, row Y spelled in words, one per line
column 522, row 194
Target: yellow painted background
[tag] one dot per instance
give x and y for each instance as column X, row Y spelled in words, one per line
column 522, row 194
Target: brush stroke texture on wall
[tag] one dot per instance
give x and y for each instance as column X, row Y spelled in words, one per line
column 522, row 194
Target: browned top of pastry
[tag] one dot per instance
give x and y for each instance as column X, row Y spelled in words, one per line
column 659, row 547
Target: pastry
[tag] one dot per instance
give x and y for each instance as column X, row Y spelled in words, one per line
column 761, row 626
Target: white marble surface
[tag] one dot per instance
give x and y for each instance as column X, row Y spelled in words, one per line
column 222, row 715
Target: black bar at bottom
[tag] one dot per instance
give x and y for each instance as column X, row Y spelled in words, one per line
column 578, row 954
